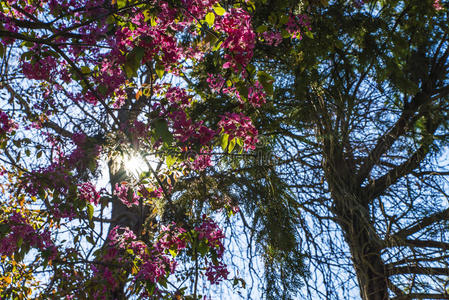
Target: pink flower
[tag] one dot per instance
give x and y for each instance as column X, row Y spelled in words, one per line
column 209, row 231
column 239, row 126
column 437, row 5
column 241, row 38
column 216, row 273
column 272, row 38
column 256, row 94
column 6, row 125
column 121, row 236
column 42, row 69
column 127, row 197
column 171, row 237
column 216, row 82
column 88, row 193
column 20, row 229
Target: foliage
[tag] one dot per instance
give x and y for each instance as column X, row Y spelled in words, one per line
column 89, row 83
column 320, row 125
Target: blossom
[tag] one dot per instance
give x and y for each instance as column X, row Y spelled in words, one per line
column 272, row 38
column 216, row 82
column 121, row 236
column 239, row 126
column 240, row 41
column 6, row 124
column 41, row 69
column 209, row 232
column 125, row 196
column 21, row 230
column 216, row 273
column 437, row 5
column 88, row 193
column 171, row 237
column 256, row 94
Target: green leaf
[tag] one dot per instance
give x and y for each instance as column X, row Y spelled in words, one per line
column 266, row 81
column 251, row 69
column 243, row 90
column 170, row 160
column 173, row 253
column 90, row 211
column 203, row 248
column 261, row 28
column 161, row 130
column 121, row 3
column 160, row 69
column 309, row 34
column 4, row 228
column 217, row 46
column 90, row 239
column 153, row 22
column 85, row 70
column 224, row 141
column 210, row 19
column 147, row 15
column 231, row 145
column 133, row 60
column 283, row 20
column 219, row 10
column 239, row 142
column 285, row 34
column 19, row 242
column 163, row 282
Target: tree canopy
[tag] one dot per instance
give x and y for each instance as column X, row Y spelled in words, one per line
column 145, row 142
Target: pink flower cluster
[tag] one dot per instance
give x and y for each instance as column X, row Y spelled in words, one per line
column 295, row 23
column 20, row 229
column 154, row 264
column 178, row 96
column 103, row 275
column 272, row 38
column 185, row 130
column 216, row 273
column 8, row 25
column 216, row 82
column 437, row 5
column 209, row 231
column 41, row 69
column 240, row 41
column 88, row 193
column 171, row 237
column 197, row 8
column 125, row 195
column 55, row 176
column 121, row 237
column 152, row 193
column 6, row 124
column 202, row 161
column 256, row 93
column 239, row 126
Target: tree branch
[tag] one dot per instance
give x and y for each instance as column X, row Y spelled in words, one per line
column 424, row 222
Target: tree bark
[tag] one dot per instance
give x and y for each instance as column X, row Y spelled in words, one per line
column 365, row 247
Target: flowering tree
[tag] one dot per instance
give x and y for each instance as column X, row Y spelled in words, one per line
column 360, row 120
column 96, row 89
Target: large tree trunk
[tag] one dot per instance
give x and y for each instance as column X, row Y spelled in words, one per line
column 365, row 247
column 123, row 216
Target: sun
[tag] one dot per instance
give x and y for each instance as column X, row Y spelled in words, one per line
column 135, row 165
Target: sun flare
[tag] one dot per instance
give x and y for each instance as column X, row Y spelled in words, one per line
column 136, row 165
